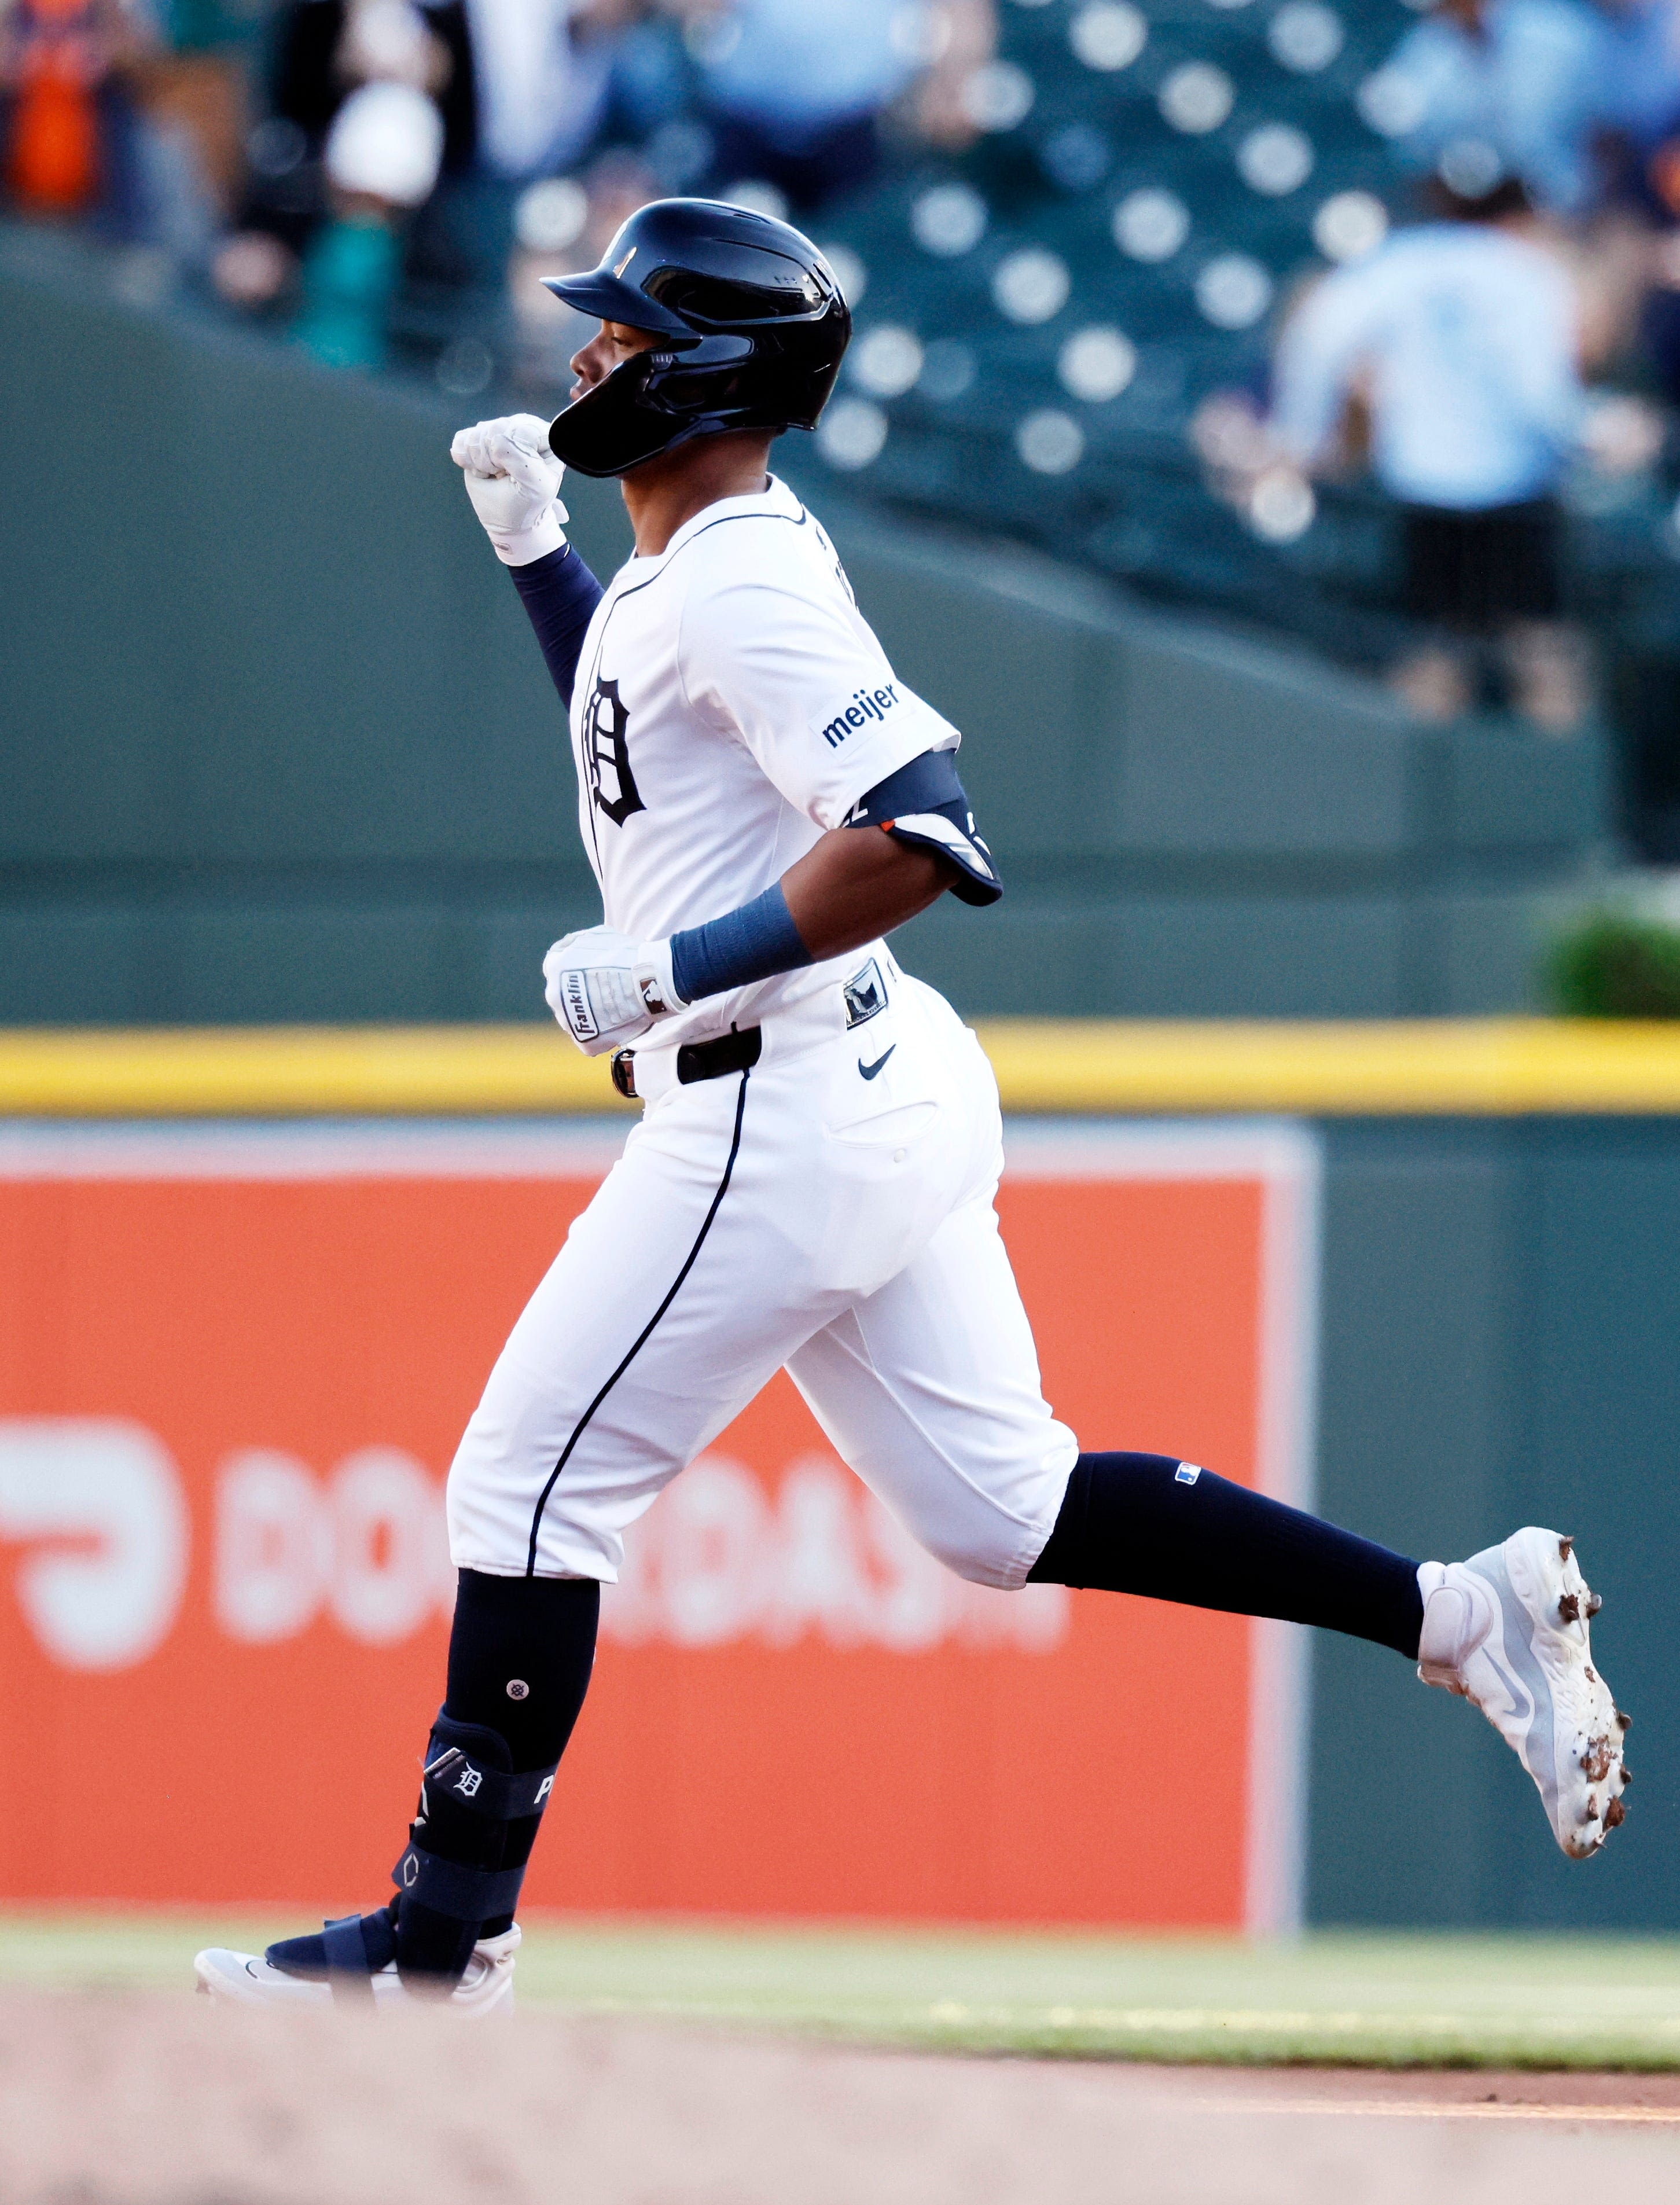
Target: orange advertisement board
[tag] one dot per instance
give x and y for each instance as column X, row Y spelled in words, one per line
column 233, row 1364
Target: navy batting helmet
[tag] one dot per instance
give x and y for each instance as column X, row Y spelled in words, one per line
column 752, row 327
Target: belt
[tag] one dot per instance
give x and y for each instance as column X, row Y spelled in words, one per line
column 735, row 1051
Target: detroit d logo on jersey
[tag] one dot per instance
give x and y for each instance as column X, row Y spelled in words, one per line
column 607, row 754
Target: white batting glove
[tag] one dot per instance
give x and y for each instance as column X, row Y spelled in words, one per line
column 607, row 990
column 514, row 479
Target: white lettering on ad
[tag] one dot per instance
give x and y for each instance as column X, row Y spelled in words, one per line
column 717, row 1561
column 98, row 1501
column 274, row 1552
column 369, row 1545
column 100, row 1506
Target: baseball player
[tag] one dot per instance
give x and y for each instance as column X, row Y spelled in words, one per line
column 811, row 1184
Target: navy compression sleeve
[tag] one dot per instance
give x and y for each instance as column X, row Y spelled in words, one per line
column 560, row 594
column 755, row 942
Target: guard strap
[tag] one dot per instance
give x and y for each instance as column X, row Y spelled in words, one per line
column 464, row 1894
column 350, row 1964
column 490, row 1792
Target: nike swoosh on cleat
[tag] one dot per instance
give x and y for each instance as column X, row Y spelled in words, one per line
column 869, row 1070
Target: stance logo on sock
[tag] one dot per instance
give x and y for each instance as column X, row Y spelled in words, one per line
column 1187, row 1473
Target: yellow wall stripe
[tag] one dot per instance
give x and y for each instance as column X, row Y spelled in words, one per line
column 1495, row 1066
column 297, row 1070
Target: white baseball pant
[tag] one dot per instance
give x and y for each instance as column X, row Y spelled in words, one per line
column 831, row 1211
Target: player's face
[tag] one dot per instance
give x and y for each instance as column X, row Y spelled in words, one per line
column 615, row 344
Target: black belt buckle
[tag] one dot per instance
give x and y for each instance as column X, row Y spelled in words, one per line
column 624, row 1072
column 734, row 1051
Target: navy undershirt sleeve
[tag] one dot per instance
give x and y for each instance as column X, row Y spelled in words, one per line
column 560, row 594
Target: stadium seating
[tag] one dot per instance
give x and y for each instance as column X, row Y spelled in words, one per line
column 1039, row 318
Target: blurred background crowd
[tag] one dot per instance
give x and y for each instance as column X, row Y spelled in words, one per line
column 1345, row 318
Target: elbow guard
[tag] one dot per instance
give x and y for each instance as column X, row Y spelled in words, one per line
column 924, row 803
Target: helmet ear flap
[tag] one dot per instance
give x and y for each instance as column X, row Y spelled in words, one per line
column 697, row 378
column 629, row 416
column 613, row 427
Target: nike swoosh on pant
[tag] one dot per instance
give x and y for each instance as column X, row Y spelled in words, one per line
column 869, row 1070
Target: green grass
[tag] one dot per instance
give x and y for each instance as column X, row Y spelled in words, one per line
column 1381, row 2000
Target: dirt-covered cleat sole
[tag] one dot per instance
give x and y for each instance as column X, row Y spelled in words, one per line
column 485, row 1990
column 1508, row 1629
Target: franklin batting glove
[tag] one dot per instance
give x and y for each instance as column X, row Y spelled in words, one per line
column 607, row 990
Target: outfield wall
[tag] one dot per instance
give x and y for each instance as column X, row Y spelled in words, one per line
column 1489, row 1292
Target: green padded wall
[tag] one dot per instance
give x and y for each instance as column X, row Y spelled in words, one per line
column 278, row 743
column 1500, row 1305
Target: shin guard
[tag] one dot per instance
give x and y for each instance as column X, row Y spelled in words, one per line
column 467, row 1847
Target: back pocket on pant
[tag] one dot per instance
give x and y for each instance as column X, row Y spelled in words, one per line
column 901, row 1126
column 888, row 1193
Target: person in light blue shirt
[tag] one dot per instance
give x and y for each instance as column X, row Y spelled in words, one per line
column 1637, row 74
column 1461, row 338
column 796, row 65
column 1526, row 77
column 793, row 88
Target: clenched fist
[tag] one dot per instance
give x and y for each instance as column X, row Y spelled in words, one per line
column 513, row 480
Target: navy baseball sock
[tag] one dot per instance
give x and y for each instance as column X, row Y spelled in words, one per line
column 520, row 1654
column 1148, row 1523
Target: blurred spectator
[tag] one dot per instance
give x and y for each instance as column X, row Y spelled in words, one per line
column 381, row 161
column 193, row 112
column 957, row 41
column 793, row 91
column 1524, row 76
column 1636, row 91
column 543, row 69
column 66, row 112
column 521, row 87
column 542, row 73
column 320, row 52
column 1461, row 337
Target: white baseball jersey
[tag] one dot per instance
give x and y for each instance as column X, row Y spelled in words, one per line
column 827, row 1209
column 730, row 704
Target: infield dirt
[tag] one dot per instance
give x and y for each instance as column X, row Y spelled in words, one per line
column 151, row 2099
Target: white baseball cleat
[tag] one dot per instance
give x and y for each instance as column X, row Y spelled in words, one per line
column 242, row 1979
column 1508, row 1630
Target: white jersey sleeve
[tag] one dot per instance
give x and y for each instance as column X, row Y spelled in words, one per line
column 777, row 653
